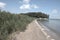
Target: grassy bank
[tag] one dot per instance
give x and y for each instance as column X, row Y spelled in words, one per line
column 10, row 23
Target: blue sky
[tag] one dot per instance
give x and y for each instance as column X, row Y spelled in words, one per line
column 51, row 7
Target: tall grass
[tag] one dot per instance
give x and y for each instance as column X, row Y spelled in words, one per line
column 10, row 23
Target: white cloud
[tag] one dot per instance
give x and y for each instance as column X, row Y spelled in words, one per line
column 2, row 5
column 54, row 11
column 26, row 5
column 26, row 1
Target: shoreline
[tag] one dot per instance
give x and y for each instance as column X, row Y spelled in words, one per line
column 49, row 32
column 34, row 31
column 31, row 33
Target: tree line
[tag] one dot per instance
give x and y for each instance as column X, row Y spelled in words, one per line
column 37, row 14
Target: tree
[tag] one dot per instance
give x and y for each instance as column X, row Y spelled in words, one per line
column 37, row 14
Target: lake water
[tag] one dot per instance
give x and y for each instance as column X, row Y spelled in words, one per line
column 53, row 25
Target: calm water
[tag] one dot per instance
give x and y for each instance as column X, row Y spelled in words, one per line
column 53, row 25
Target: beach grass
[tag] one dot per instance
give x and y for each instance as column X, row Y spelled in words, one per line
column 10, row 23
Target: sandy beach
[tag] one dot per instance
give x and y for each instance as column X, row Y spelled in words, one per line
column 32, row 32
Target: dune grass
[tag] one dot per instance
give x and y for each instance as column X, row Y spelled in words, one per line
column 10, row 23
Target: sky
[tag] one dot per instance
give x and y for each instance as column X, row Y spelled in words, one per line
column 51, row 7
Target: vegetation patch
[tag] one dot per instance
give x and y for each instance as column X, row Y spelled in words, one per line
column 10, row 23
